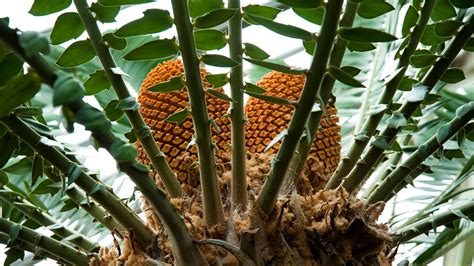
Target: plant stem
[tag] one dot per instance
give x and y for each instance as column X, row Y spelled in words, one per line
column 424, row 225
column 395, row 180
column 52, row 246
column 391, row 165
column 213, row 211
column 237, row 116
column 111, row 203
column 370, row 126
column 46, row 220
column 80, row 200
column 337, row 54
column 314, row 78
column 18, row 244
column 184, row 250
column 373, row 155
column 142, row 131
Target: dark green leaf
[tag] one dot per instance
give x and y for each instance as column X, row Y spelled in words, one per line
column 123, row 152
column 17, row 91
column 9, row 144
column 96, row 83
column 407, row 83
column 104, row 14
column 200, row 7
column 360, row 46
column 443, row 10
column 36, row 169
column 76, row 54
column 423, row 60
column 3, row 50
column 268, row 98
column 209, row 39
column 309, row 46
column 46, row 7
column 343, row 77
column 249, row 87
column 114, row 42
column 353, row 71
column 174, row 84
column 153, row 21
column 430, row 99
column 430, row 37
column 214, row 17
column 3, row 178
column 360, row 34
column 9, row 67
column 68, row 205
column 45, row 187
column 469, row 46
column 217, row 80
column 372, row 9
column 275, row 66
column 13, row 254
column 112, row 112
column 253, row 51
column 67, row 90
column 397, row 120
column 417, row 94
column 262, row 11
column 22, row 167
column 220, row 95
column 127, row 104
column 302, row 3
column 462, row 3
column 218, row 60
column 27, row 111
column 123, row 2
column 447, row 28
column 74, row 172
column 453, row 75
column 92, row 119
column 179, row 116
column 313, row 15
column 33, row 43
column 68, row 26
column 410, row 20
column 283, row 29
column 396, row 146
column 154, row 49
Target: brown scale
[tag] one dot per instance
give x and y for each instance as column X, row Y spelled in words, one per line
column 266, row 121
column 173, row 139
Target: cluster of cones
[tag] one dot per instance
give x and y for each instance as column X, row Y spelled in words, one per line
column 309, row 226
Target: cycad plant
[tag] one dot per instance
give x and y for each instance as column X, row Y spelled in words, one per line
column 298, row 174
